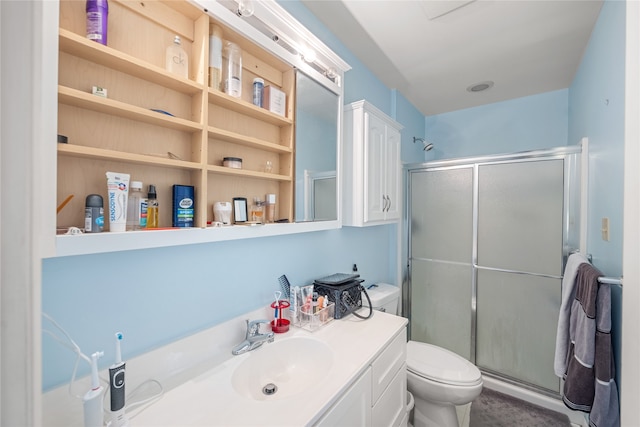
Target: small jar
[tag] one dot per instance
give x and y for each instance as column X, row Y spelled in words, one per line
column 232, row 162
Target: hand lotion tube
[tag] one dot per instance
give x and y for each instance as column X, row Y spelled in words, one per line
column 117, row 194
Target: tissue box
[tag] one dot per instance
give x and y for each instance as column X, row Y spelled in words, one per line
column 274, row 100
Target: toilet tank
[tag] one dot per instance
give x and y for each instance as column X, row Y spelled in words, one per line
column 384, row 297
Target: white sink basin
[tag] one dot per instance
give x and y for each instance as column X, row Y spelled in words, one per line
column 291, row 365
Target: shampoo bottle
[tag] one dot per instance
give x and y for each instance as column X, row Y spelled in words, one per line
column 152, row 208
column 177, row 61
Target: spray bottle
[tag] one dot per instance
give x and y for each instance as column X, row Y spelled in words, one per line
column 116, row 388
column 92, row 400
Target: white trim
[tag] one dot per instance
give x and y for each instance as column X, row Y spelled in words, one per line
column 584, row 195
column 29, row 116
column 630, row 387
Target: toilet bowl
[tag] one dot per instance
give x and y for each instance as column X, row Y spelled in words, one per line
column 439, row 379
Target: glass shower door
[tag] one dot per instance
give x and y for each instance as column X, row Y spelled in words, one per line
column 441, row 248
column 519, row 269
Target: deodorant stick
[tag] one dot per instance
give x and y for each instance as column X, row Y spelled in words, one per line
column 93, row 214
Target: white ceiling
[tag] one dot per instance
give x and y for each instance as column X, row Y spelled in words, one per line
column 432, row 50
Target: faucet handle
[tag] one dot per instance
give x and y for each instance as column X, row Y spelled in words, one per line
column 253, row 326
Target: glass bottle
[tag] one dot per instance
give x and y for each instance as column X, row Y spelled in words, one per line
column 177, row 61
column 257, row 210
column 153, row 214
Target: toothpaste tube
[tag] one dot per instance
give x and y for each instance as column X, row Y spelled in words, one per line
column 117, row 194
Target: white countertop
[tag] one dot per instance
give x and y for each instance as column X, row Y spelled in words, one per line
column 210, row 399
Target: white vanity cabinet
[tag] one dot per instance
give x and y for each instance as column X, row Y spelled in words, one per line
column 372, row 168
column 353, row 408
column 378, row 397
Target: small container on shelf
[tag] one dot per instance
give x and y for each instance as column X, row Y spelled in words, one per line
column 232, row 162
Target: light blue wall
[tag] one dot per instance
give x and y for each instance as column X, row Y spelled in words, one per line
column 156, row 296
column 529, row 123
column 596, row 111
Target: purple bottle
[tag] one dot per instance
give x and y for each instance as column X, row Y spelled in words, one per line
column 97, row 14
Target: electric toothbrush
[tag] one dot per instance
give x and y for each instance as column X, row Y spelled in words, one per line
column 92, row 400
column 116, row 388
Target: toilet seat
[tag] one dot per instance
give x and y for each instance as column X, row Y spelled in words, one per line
column 441, row 365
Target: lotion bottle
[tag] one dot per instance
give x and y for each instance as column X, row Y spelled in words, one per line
column 177, row 61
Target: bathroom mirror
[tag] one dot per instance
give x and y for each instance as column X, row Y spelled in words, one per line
column 317, row 112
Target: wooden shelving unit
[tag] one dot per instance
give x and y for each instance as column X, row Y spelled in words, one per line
column 122, row 133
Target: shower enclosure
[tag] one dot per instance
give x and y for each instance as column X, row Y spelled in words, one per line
column 488, row 239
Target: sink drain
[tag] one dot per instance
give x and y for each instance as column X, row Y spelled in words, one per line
column 269, row 389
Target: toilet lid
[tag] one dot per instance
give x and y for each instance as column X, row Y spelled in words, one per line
column 441, row 365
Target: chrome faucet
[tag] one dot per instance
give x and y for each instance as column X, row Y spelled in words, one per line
column 254, row 338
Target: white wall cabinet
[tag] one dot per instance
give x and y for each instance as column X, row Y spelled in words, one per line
column 372, row 191
column 378, row 396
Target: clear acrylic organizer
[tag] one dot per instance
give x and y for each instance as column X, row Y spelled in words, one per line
column 312, row 322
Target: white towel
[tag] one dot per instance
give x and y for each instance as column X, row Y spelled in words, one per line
column 568, row 295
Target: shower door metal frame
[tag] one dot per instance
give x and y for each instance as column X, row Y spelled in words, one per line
column 570, row 226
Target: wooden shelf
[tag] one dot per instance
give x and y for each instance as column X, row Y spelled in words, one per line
column 248, row 173
column 243, row 107
column 92, row 102
column 246, row 140
column 141, row 159
column 81, row 47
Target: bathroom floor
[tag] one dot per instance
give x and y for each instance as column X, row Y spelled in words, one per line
column 494, row 409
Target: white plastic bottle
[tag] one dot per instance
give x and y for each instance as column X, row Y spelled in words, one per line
column 232, row 69
column 137, row 207
column 177, row 61
column 215, row 57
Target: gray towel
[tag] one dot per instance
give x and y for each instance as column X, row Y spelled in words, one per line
column 589, row 379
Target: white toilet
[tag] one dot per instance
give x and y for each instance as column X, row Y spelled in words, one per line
column 439, row 379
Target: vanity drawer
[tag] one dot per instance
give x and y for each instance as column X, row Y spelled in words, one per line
column 391, row 408
column 384, row 368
